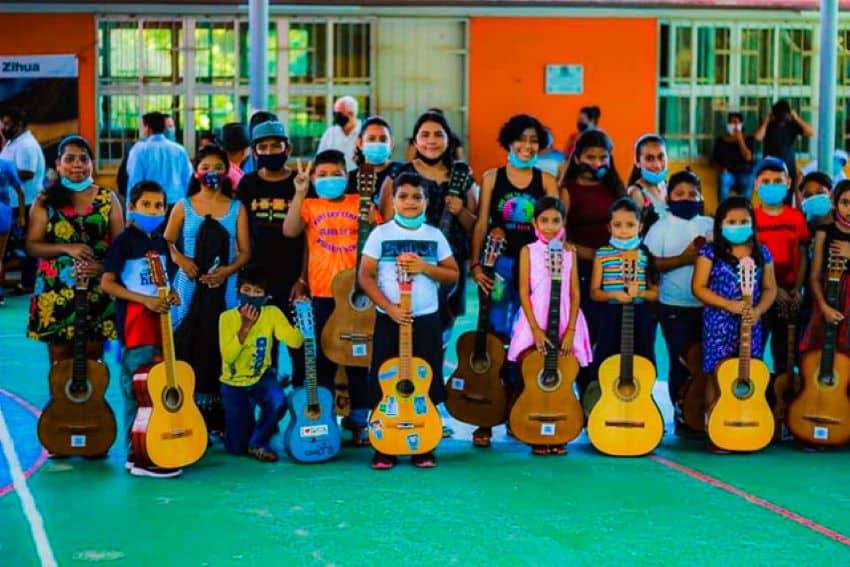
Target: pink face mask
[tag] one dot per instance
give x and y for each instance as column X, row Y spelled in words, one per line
column 559, row 236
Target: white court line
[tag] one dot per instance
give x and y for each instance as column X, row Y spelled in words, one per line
column 45, row 553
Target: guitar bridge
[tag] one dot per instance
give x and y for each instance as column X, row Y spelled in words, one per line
column 77, row 428
column 739, row 423
column 547, row 417
column 408, row 425
column 475, row 398
column 821, row 420
column 357, row 337
column 176, row 434
column 625, row 423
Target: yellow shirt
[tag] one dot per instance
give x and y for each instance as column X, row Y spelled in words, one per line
column 242, row 364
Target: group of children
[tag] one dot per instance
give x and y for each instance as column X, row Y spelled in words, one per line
column 240, row 260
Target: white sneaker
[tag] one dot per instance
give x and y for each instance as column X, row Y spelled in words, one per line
column 154, row 471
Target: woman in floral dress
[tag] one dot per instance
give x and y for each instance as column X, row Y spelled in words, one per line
column 71, row 226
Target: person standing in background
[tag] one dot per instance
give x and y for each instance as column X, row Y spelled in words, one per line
column 779, row 132
column 343, row 134
column 159, row 159
column 733, row 156
column 588, row 118
column 234, row 140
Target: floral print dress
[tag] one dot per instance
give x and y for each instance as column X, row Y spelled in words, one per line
column 51, row 317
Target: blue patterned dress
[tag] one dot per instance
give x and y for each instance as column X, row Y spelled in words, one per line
column 721, row 328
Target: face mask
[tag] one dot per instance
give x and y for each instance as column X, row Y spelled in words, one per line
column 429, row 161
column 582, row 126
column 629, row 244
column 410, row 222
column 842, row 220
column 252, row 300
column 772, row 194
column 817, row 205
column 209, row 179
column 732, row 128
column 77, row 186
column 652, row 177
column 147, row 223
column 340, row 119
column 330, row 187
column 558, row 236
column 272, row 162
column 598, row 173
column 518, row 163
column 685, row 209
column 738, row 233
column 170, row 134
column 376, row 153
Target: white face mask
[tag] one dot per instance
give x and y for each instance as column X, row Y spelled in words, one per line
column 732, row 128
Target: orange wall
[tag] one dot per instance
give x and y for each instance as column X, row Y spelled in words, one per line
column 47, row 34
column 508, row 57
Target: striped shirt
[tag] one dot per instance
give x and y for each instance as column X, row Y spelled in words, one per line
column 612, row 268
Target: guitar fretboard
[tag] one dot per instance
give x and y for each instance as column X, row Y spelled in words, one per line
column 81, row 314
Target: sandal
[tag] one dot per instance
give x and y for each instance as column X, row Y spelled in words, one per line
column 263, row 455
column 557, row 449
column 382, row 462
column 424, row 461
column 539, row 450
column 481, row 437
column 360, row 437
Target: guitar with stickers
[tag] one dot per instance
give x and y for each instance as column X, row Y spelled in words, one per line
column 405, row 421
column 312, row 435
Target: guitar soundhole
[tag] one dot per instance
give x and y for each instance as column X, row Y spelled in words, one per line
column 405, row 388
column 360, row 301
column 79, row 392
column 172, row 398
column 479, row 365
column 626, row 389
column 828, row 381
column 313, row 411
column 742, row 389
column 549, row 381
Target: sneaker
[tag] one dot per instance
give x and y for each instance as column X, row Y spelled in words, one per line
column 129, row 464
column 154, row 471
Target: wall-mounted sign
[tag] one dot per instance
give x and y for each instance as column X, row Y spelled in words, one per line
column 564, row 79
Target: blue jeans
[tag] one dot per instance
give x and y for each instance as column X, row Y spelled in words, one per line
column 741, row 182
column 504, row 304
column 242, row 430
column 131, row 360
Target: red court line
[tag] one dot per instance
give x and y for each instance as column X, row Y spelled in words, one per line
column 785, row 513
column 42, row 457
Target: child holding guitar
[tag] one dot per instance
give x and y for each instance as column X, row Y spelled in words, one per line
column 127, row 278
column 716, row 284
column 248, row 380
column 406, row 243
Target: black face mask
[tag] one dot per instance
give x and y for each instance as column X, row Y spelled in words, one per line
column 582, row 126
column 429, row 161
column 272, row 162
column 340, row 119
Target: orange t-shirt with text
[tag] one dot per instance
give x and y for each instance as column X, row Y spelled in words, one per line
column 331, row 230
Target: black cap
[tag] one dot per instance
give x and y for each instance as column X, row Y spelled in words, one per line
column 234, row 137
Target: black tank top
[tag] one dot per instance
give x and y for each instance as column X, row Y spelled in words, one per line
column 512, row 210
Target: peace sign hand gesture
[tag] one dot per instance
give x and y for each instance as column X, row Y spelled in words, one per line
column 302, row 177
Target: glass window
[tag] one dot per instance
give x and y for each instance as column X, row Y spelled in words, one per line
column 674, row 118
column 757, row 56
column 713, row 55
column 710, row 122
column 795, row 57
column 307, row 123
column 163, row 58
column 351, row 52
column 215, row 53
column 118, row 122
column 307, row 51
column 118, row 56
column 683, row 55
column 245, row 52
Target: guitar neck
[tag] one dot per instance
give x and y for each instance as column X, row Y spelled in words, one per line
column 168, row 354
column 553, row 324
column 484, row 302
column 745, row 346
column 310, row 381
column 827, row 358
column 364, row 227
column 81, row 309
column 627, row 343
column 405, row 340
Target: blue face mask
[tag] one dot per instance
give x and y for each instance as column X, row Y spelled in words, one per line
column 817, row 205
column 77, row 186
column 411, row 223
column 838, row 166
column 170, row 134
column 147, row 223
column 652, row 177
column 254, row 301
column 772, row 194
column 376, row 153
column 629, row 244
column 330, row 187
column 518, row 163
column 738, row 233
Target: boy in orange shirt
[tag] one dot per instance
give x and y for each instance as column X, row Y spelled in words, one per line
column 329, row 222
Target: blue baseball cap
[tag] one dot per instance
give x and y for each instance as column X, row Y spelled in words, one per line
column 268, row 129
column 770, row 163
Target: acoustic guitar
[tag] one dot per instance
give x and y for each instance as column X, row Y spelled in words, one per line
column 77, row 421
column 787, row 384
column 312, row 435
column 169, row 430
column 820, row 414
column 692, row 394
column 458, row 176
column 347, row 335
column 405, row 421
column 476, row 394
column 626, row 421
column 741, row 419
column 547, row 412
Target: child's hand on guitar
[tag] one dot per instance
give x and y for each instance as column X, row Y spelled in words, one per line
column 840, row 248
column 736, row 307
column 157, row 304
column 412, row 263
column 302, row 177
column 454, row 205
column 541, row 342
column 215, row 278
column 831, row 315
column 89, row 269
column 567, row 344
column 483, row 280
column 399, row 315
column 622, row 296
column 633, row 290
column 299, row 291
column 174, row 298
column 750, row 314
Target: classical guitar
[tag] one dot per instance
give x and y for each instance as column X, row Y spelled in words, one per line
column 547, row 412
column 741, row 419
column 820, row 414
column 405, row 421
column 626, row 421
column 347, row 335
column 476, row 394
column 169, row 430
column 77, row 420
column 312, row 435
column 692, row 394
column 457, row 181
column 787, row 384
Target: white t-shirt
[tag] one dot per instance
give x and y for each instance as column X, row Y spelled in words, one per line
column 335, row 138
column 389, row 240
column 668, row 237
column 25, row 152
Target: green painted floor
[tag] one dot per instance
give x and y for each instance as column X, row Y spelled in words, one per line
column 479, row 507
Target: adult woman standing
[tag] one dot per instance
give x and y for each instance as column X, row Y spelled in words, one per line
column 71, row 226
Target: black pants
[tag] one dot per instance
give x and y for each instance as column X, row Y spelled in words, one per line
column 358, row 378
column 280, row 298
column 776, row 326
column 427, row 344
column 610, row 319
column 590, row 308
column 681, row 327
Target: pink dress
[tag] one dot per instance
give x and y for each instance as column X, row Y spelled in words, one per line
column 541, row 285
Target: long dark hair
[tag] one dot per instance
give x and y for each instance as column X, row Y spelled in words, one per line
column 634, row 176
column 596, row 138
column 206, row 151
column 722, row 247
column 371, row 121
column 451, row 139
column 56, row 195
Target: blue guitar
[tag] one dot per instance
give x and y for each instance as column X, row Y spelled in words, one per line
column 312, row 435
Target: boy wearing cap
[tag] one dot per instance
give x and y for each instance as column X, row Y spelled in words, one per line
column 783, row 230
column 234, row 140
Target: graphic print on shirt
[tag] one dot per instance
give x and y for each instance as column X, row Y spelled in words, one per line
column 426, row 249
column 517, row 211
column 269, row 211
column 260, row 354
column 328, row 237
